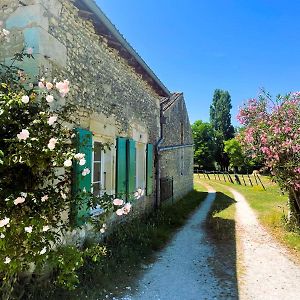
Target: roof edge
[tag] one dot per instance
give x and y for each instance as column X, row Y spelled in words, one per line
column 114, row 31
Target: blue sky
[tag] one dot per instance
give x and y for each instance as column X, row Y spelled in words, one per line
column 196, row 46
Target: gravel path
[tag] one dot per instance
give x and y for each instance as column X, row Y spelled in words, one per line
column 269, row 273
column 182, row 270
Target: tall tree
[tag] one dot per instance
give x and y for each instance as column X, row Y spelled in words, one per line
column 205, row 146
column 220, row 117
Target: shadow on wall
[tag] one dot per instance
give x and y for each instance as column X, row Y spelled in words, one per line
column 220, row 228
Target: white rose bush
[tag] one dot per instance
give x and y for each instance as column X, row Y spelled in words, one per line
column 37, row 156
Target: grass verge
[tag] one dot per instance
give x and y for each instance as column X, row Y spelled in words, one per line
column 131, row 246
column 270, row 207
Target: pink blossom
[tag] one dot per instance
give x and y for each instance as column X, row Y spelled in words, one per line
column 19, row 200
column 23, row 135
column 4, row 222
column 127, row 208
column 41, row 85
column 119, row 212
column 63, row 87
column 118, row 202
column 85, row 172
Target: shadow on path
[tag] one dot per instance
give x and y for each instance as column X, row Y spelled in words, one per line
column 220, row 229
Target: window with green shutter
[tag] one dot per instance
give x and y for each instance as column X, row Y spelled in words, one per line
column 149, row 169
column 121, row 167
column 81, row 184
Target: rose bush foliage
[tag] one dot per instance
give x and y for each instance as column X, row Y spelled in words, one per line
column 37, row 155
column 272, row 134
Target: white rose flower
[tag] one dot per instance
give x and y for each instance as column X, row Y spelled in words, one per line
column 79, row 156
column 52, row 120
column 46, row 228
column 43, row 251
column 44, row 198
column 86, row 171
column 82, row 162
column 4, row 222
column 68, row 163
column 25, row 99
column 49, row 98
column 28, row 229
column 7, row 260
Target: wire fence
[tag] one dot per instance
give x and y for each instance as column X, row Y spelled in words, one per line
column 234, row 178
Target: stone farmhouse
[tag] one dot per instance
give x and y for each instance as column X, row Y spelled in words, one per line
column 121, row 101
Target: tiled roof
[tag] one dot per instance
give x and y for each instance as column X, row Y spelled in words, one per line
column 167, row 102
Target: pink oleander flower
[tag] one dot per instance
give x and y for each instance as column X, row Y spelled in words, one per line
column 23, row 135
column 19, row 200
column 63, row 87
column 41, row 85
column 118, row 202
column 4, row 222
column 25, row 99
column 52, row 120
column 49, row 98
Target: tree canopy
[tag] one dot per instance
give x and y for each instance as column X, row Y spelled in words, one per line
column 204, row 140
column 220, row 117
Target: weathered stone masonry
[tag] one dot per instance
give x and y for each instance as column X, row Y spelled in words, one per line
column 115, row 96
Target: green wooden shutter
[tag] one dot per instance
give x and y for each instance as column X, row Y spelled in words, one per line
column 131, row 166
column 84, row 144
column 149, row 169
column 121, row 169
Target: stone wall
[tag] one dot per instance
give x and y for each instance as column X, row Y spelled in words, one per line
column 177, row 163
column 113, row 100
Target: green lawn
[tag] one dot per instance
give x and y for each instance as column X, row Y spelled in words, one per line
column 270, row 206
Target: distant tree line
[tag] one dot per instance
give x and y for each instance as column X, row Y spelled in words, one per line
column 215, row 143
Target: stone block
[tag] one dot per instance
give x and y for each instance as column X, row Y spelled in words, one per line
column 28, row 16
column 46, row 45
